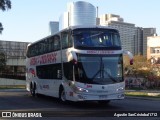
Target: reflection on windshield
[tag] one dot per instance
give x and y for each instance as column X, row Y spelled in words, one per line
column 93, row 38
column 99, row 69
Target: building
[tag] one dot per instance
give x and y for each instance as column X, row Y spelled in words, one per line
column 153, row 49
column 134, row 39
column 140, row 42
column 15, row 53
column 126, row 30
column 78, row 13
column 64, row 21
column 146, row 33
column 53, row 27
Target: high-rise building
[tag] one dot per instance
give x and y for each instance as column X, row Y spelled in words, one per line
column 140, row 42
column 146, row 33
column 64, row 21
column 126, row 30
column 78, row 13
column 53, row 27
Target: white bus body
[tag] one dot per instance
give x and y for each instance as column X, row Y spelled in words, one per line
column 72, row 70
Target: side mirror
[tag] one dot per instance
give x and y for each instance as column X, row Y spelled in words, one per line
column 131, row 62
column 72, row 56
column 130, row 56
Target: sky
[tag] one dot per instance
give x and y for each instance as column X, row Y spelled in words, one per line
column 28, row 20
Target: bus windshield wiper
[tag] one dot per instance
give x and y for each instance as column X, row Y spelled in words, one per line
column 100, row 70
column 111, row 77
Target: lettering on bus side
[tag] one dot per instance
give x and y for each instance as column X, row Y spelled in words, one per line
column 44, row 59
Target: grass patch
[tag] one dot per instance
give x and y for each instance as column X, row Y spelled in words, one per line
column 136, row 93
column 140, row 94
column 12, row 86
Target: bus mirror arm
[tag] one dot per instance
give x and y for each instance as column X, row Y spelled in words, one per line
column 130, row 55
column 59, row 74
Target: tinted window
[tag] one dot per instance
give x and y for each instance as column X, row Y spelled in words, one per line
column 99, row 38
column 46, row 45
column 66, row 40
column 52, row 71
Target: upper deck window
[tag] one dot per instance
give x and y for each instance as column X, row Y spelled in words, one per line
column 100, row 38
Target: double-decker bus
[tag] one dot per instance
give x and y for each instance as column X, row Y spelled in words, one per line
column 79, row 63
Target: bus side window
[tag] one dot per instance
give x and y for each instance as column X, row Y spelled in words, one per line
column 33, row 50
column 51, row 44
column 41, row 48
column 70, row 41
column 28, row 52
column 51, row 71
column 46, row 49
column 56, row 42
column 64, row 40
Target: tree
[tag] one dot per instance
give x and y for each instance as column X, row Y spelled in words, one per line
column 140, row 66
column 4, row 5
column 2, row 61
column 1, row 28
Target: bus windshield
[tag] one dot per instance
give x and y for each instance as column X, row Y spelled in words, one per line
column 101, row 38
column 99, row 69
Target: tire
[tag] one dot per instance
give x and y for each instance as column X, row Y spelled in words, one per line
column 104, row 102
column 62, row 95
column 33, row 89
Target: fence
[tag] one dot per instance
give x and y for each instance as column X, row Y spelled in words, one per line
column 4, row 82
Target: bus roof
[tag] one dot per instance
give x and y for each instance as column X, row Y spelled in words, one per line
column 76, row 27
column 85, row 26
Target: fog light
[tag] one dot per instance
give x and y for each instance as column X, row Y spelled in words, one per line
column 82, row 97
column 121, row 96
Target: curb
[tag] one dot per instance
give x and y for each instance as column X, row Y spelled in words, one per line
column 143, row 98
column 13, row 90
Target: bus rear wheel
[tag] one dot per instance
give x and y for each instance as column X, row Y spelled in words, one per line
column 33, row 89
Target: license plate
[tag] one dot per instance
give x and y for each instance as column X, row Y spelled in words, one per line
column 102, row 96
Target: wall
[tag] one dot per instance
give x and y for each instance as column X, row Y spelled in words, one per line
column 4, row 81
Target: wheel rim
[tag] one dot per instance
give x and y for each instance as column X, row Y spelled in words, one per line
column 63, row 96
column 32, row 92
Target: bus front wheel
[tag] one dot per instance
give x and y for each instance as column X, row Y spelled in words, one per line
column 62, row 95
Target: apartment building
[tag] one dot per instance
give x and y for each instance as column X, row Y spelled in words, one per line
column 126, row 30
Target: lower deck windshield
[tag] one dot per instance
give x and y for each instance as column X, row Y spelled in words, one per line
column 99, row 69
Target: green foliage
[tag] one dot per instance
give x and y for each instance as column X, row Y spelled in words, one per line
column 140, row 67
column 4, row 5
column 2, row 61
column 1, row 28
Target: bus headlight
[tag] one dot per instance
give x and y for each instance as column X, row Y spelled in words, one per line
column 120, row 89
column 79, row 89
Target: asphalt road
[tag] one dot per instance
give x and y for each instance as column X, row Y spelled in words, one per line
column 21, row 102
